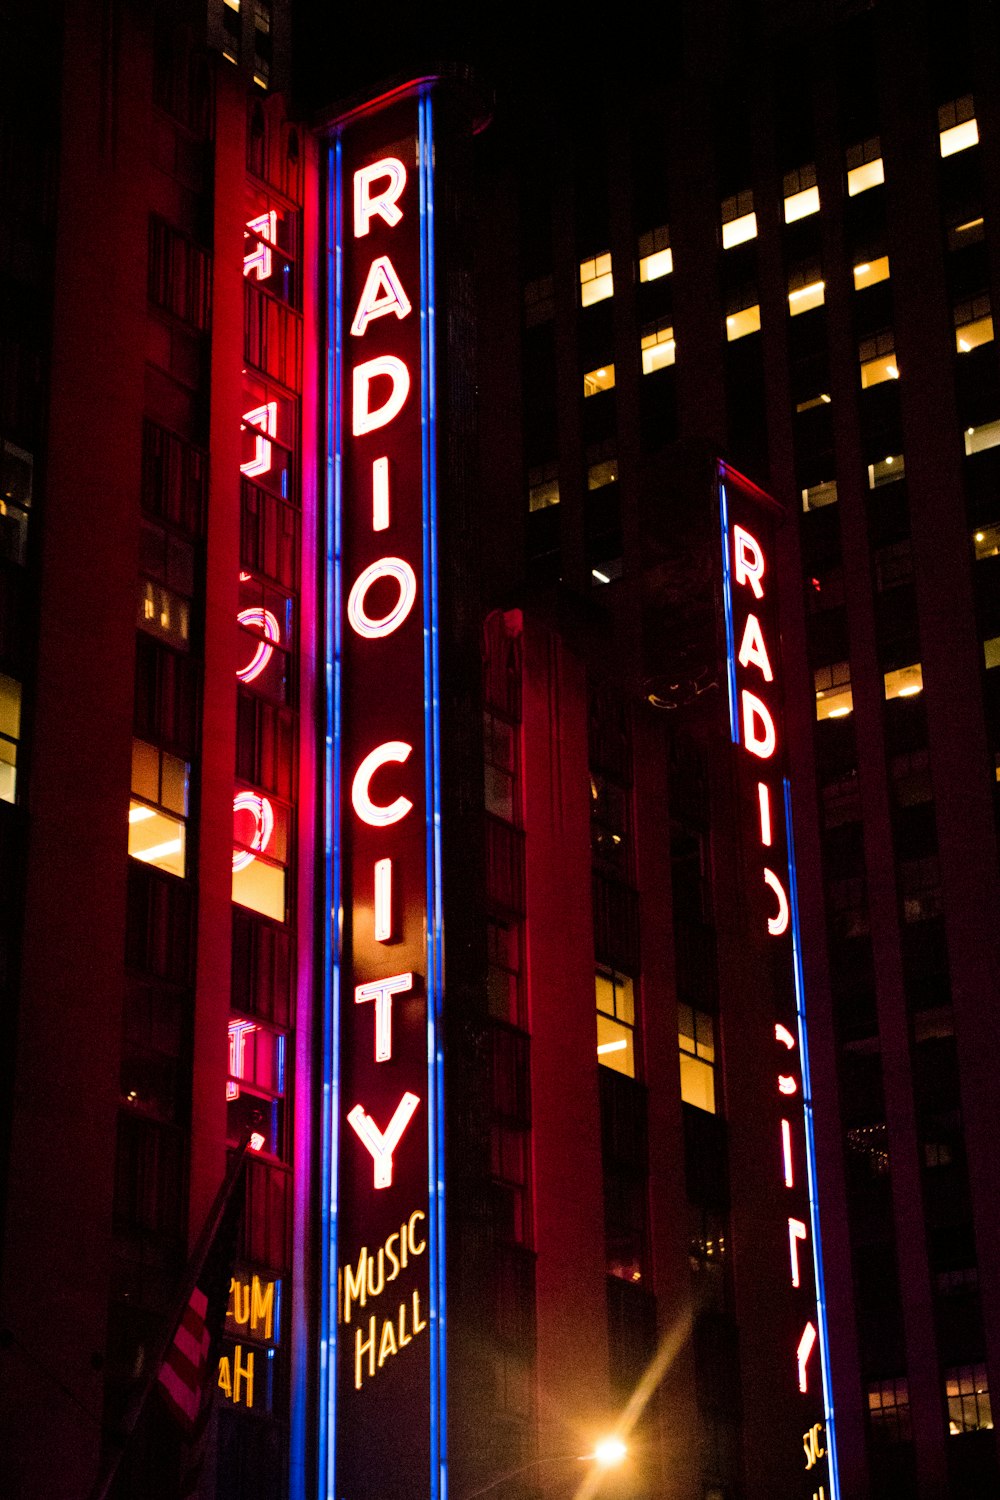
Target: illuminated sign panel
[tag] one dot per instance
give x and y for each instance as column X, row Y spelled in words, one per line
column 747, row 518
column 382, row 1419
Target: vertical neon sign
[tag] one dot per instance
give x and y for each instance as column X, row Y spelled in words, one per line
column 754, row 683
column 382, row 1370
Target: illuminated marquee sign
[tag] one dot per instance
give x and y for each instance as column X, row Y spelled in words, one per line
column 246, row 1372
column 382, row 1420
column 754, row 690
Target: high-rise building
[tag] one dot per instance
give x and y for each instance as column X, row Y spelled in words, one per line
column 414, row 785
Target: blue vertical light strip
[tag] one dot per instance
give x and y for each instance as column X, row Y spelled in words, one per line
column 727, row 601
column 332, row 644
column 432, row 762
column 807, row 1109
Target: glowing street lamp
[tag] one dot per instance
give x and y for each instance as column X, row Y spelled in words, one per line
column 609, row 1452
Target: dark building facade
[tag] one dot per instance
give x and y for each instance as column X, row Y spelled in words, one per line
column 406, row 701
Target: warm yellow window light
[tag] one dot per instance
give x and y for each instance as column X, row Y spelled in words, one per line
column 739, row 324
column 875, row 371
column 660, row 263
column 738, row 231
column 860, row 179
column 599, row 380
column 659, row 349
column 801, row 205
column 971, row 335
column 804, row 298
column 959, row 137
column 596, row 281
column 869, row 272
column 904, row 682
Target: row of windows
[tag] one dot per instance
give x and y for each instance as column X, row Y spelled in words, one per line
column 876, row 356
column 967, row 1399
column 958, row 130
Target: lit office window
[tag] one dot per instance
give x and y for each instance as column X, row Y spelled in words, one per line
column 973, row 324
column 656, row 258
column 596, row 282
column 739, row 222
column 886, row 470
column 968, row 1395
column 739, row 324
column 869, row 272
column 986, row 542
column 801, row 194
column 10, row 733
column 600, row 474
column 615, row 998
column 596, row 381
column 889, row 1410
column 696, row 1043
column 158, row 808
column 957, row 126
column 877, row 357
column 978, row 439
column 864, row 167
column 819, row 495
column 260, row 853
column 543, row 487
column 659, row 348
column 904, row 682
column 804, row 298
column 834, row 699
column 991, row 652
column 811, row 402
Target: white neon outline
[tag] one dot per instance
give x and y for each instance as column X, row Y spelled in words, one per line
column 265, row 227
column 752, row 648
column 260, row 619
column 779, row 924
column 265, row 419
column 796, row 1231
column 263, row 814
column 238, row 1031
column 787, row 1084
column 784, row 1036
column 802, row 1354
column 786, row 1152
column 362, row 419
column 382, row 991
column 383, row 900
column 749, row 560
column 751, row 706
column 383, row 204
column 385, row 567
column 383, row 293
column 764, row 803
column 379, row 815
column 382, row 1144
column 380, row 494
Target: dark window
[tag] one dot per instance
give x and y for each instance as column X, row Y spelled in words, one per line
column 180, row 274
